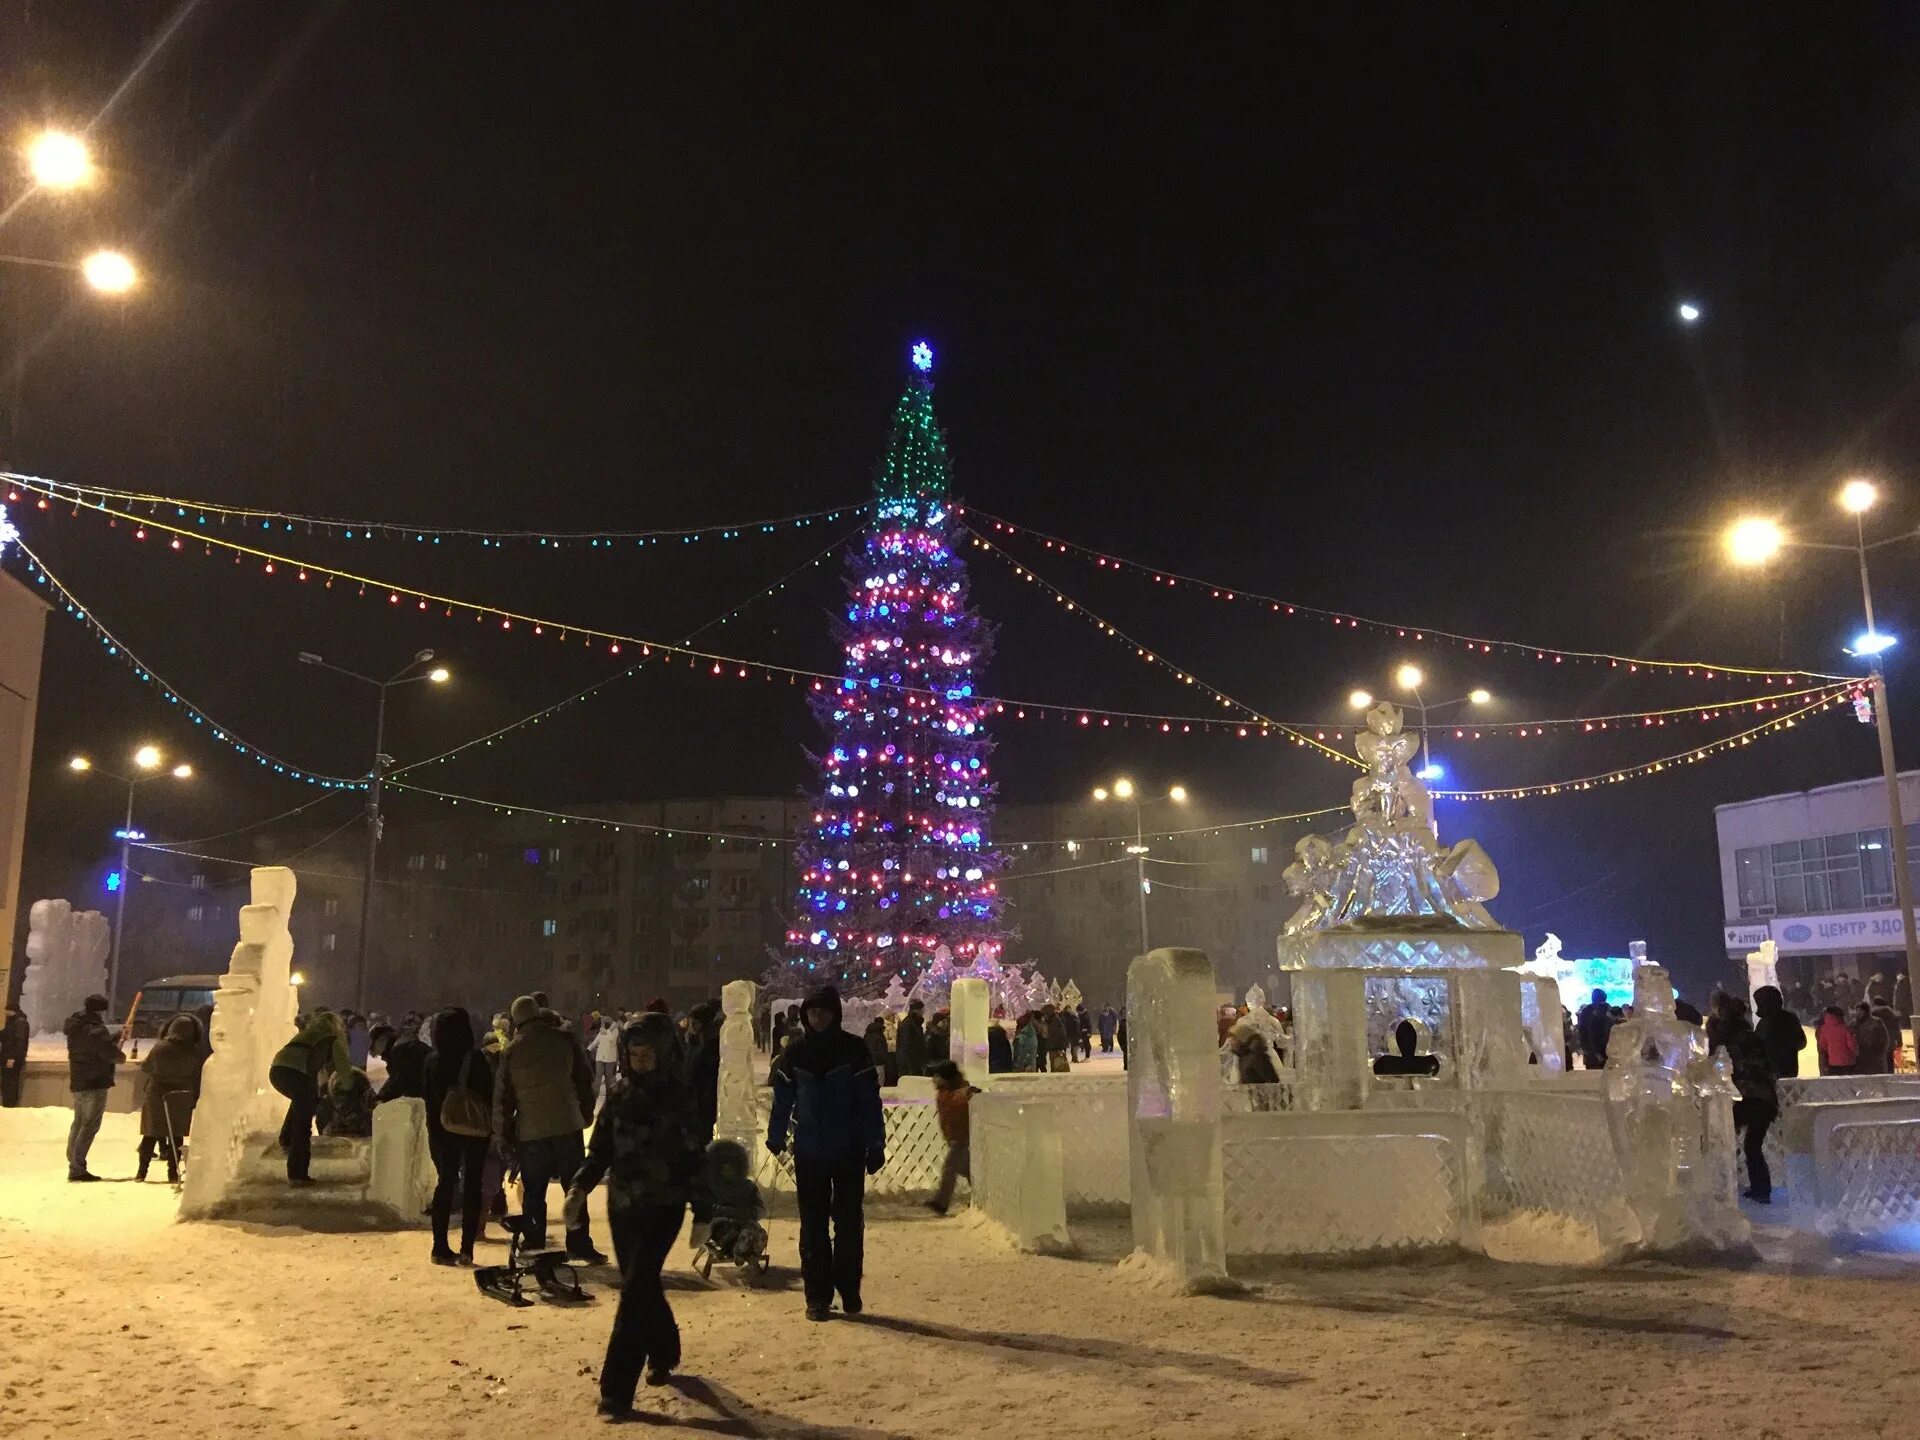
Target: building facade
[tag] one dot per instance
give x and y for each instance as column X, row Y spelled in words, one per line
column 1812, row 871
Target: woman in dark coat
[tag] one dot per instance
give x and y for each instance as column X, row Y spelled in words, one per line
column 459, row 1161
column 172, row 1067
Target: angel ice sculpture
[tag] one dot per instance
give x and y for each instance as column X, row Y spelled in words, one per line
column 1389, row 869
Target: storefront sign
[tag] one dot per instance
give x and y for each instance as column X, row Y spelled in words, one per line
column 1744, row 938
column 1823, row 934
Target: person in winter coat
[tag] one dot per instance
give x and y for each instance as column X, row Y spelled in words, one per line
column 1780, row 1031
column 605, row 1052
column 703, row 1065
column 1070, row 1027
column 92, row 1055
column 1026, row 1045
column 999, row 1049
column 1594, row 1024
column 939, row 1040
column 1053, row 1040
column 542, row 1096
column 457, row 1067
column 1872, row 1049
column 172, row 1069
column 1108, row 1022
column 876, row 1040
column 1754, row 1076
column 647, row 1146
column 826, row 1088
column 910, row 1043
column 1083, row 1028
column 1255, row 1060
column 13, row 1057
column 1902, row 995
column 320, row 1047
column 1835, row 1043
column 1884, row 1014
column 951, row 1094
column 407, row 1054
column 1120, row 1039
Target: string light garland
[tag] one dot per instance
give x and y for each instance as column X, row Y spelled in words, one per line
column 578, row 696
column 1152, row 657
column 1651, row 767
column 144, row 673
column 1340, row 619
column 51, row 492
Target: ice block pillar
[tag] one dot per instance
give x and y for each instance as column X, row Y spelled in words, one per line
column 971, row 1009
column 1173, row 1105
column 1763, row 967
column 738, row 1116
column 66, row 962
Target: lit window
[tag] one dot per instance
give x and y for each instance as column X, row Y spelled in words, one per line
column 197, row 913
column 332, row 908
column 332, row 942
column 532, row 857
column 549, row 927
column 1259, row 854
column 199, row 882
column 439, row 862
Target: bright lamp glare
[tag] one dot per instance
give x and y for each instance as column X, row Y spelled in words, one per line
column 439, row 675
column 183, row 772
column 1178, row 794
column 109, row 272
column 1754, row 540
column 1872, row 642
column 1858, row 495
column 1100, row 792
column 1359, row 699
column 147, row 757
column 80, row 762
column 1123, row 788
column 1408, row 677
column 59, row 161
column 1479, row 697
column 1433, row 770
column 1688, row 312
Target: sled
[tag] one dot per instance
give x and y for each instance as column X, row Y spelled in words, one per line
column 557, row 1280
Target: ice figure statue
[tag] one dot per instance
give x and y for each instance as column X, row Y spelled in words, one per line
column 66, row 962
column 894, row 999
column 968, row 1046
column 1173, row 1105
column 1036, row 990
column 738, row 1115
column 1671, row 1115
column 1763, row 967
column 1070, row 996
column 253, row 1015
column 1393, row 927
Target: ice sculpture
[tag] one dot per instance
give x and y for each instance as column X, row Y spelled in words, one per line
column 1549, row 964
column 894, row 998
column 1763, row 967
column 253, row 1015
column 968, row 1046
column 402, row 1175
column 738, row 1115
column 1070, row 996
column 66, row 962
column 1671, row 1115
column 1173, row 1101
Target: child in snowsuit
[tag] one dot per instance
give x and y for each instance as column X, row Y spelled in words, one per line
column 951, row 1094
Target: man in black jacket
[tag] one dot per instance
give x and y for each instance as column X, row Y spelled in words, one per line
column 1595, row 1024
column 92, row 1055
column 1780, row 1031
column 826, row 1085
column 13, row 1057
column 910, row 1042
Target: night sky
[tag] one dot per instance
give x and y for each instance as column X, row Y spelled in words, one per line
column 1373, row 311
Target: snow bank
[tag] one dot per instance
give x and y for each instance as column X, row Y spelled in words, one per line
column 1536, row 1237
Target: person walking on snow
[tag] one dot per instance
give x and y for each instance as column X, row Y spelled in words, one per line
column 647, row 1145
column 826, row 1088
column 92, row 1056
column 1835, row 1043
column 13, row 1057
column 457, row 1069
column 951, row 1094
column 1108, row 1020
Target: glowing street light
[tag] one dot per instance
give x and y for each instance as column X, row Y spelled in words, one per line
column 1688, row 312
column 1359, row 699
column 183, row 772
column 146, row 761
column 79, row 762
column 1408, row 677
column 1479, row 697
column 1178, row 794
column 1123, row 789
column 147, row 757
column 439, row 675
column 1858, row 495
column 1754, row 540
column 58, row 160
column 109, row 272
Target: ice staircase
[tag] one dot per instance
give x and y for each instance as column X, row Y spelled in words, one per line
column 338, row 1199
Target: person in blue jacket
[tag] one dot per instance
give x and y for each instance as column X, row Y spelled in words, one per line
column 826, row 1089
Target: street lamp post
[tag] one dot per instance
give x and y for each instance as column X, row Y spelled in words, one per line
column 1756, row 540
column 1124, row 789
column 376, row 774
column 147, row 761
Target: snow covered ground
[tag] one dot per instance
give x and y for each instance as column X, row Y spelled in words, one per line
column 113, row 1315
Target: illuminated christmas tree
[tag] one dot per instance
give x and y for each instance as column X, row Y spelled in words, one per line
column 897, row 862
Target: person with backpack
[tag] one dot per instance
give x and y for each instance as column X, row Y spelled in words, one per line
column 320, row 1048
column 457, row 1084
column 825, row 1086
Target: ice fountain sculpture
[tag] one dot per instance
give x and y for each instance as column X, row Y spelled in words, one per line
column 1671, row 1113
column 253, row 1016
column 738, row 1113
column 66, row 962
column 1393, row 926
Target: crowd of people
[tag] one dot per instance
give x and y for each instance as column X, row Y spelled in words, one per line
column 1048, row 1039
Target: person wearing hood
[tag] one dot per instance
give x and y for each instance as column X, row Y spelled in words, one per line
column 542, row 1098
column 172, row 1069
column 999, row 1049
column 456, row 1082
column 92, row 1056
column 910, row 1041
column 1026, row 1045
column 647, row 1146
column 826, row 1087
column 320, row 1048
column 1834, row 1040
column 1108, row 1020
